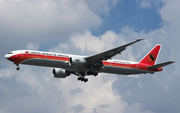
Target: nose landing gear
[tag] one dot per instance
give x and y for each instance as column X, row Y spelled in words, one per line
column 18, row 68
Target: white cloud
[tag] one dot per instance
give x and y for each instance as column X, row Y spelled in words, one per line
column 47, row 15
column 136, row 108
column 170, row 17
column 101, row 7
column 51, row 16
column 59, row 48
column 32, row 46
column 95, row 93
column 37, row 88
column 87, row 42
column 7, row 72
column 144, row 3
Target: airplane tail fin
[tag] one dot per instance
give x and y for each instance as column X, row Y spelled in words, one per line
column 152, row 56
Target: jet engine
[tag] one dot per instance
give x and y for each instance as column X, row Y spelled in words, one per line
column 60, row 73
column 77, row 61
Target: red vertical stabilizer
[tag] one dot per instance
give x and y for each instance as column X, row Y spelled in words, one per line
column 152, row 56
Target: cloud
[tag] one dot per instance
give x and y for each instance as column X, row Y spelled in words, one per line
column 77, row 108
column 6, row 73
column 40, row 19
column 136, row 108
column 32, row 46
column 47, row 15
column 90, row 97
column 86, row 41
column 33, row 87
column 170, row 17
column 101, row 7
column 147, row 4
column 144, row 3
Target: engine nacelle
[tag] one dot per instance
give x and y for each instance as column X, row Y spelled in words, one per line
column 60, row 73
column 77, row 61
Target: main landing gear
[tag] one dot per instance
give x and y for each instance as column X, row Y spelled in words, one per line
column 82, row 75
column 82, row 79
column 92, row 72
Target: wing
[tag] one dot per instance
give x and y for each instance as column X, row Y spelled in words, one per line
column 110, row 53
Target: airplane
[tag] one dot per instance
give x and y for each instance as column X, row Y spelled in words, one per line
column 66, row 64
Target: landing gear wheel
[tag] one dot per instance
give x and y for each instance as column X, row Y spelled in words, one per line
column 18, row 68
column 92, row 72
column 82, row 79
column 79, row 78
column 95, row 74
column 85, row 80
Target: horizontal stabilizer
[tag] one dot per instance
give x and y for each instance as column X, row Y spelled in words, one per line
column 160, row 65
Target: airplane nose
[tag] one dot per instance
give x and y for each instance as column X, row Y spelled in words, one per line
column 6, row 56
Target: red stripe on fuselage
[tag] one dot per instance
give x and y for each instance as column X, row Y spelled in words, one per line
column 133, row 66
column 18, row 58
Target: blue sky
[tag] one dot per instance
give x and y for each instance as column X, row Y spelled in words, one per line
column 129, row 13
column 86, row 27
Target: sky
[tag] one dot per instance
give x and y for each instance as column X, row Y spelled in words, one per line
column 87, row 27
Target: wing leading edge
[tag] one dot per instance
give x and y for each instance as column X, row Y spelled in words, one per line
column 110, row 53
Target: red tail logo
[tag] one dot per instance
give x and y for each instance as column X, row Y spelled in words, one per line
column 151, row 57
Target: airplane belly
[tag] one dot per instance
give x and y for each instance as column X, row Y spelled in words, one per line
column 45, row 62
column 121, row 70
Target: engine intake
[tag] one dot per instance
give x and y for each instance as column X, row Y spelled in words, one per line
column 77, row 61
column 60, row 73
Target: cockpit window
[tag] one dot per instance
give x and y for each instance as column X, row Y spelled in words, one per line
column 10, row 53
